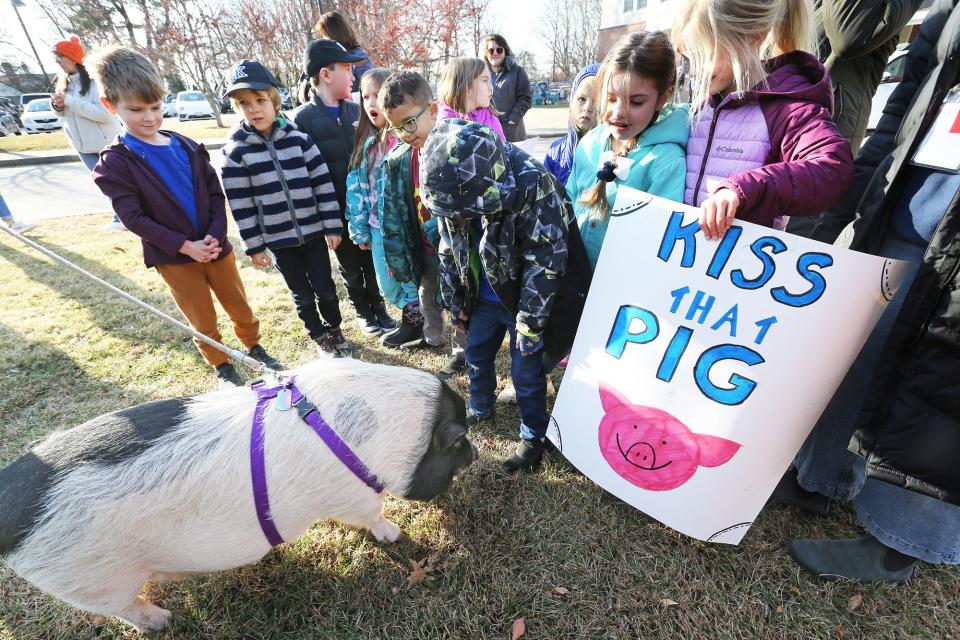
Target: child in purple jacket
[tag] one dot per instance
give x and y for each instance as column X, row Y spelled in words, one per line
column 164, row 190
column 465, row 90
column 763, row 145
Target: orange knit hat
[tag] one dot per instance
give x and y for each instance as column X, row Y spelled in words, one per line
column 71, row 49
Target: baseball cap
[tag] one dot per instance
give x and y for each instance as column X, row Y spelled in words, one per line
column 321, row 53
column 249, row 74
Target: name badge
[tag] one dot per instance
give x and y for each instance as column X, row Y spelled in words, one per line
column 940, row 148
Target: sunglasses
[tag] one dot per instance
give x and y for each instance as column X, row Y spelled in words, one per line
column 409, row 125
column 493, row 50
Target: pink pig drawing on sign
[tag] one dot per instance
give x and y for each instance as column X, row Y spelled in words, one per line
column 652, row 449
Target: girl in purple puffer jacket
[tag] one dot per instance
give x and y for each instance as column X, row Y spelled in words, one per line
column 763, row 145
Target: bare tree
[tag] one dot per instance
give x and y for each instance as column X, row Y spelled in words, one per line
column 570, row 29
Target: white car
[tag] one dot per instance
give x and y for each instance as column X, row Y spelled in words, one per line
column 892, row 75
column 169, row 106
column 193, row 105
column 39, row 116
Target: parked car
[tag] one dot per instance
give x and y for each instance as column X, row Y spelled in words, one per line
column 892, row 76
column 169, row 106
column 286, row 102
column 39, row 116
column 193, row 105
column 9, row 125
column 11, row 107
column 225, row 104
column 27, row 98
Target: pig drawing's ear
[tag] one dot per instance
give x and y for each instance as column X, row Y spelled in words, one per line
column 610, row 398
column 447, row 434
column 715, row 451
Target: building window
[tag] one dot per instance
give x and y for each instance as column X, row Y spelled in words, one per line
column 640, row 4
column 627, row 6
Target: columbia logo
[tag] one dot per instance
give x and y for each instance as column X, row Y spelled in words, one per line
column 726, row 149
column 241, row 72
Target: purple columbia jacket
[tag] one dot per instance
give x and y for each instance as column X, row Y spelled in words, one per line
column 148, row 208
column 776, row 146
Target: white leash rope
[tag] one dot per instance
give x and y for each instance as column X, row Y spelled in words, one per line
column 239, row 356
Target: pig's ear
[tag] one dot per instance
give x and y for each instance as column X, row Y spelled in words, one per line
column 610, row 398
column 715, row 451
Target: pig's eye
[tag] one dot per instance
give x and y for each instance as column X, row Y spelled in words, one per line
column 663, row 442
column 458, row 444
column 634, row 426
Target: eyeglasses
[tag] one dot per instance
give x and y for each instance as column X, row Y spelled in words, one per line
column 493, row 50
column 409, row 125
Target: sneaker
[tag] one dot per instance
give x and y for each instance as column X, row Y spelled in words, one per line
column 509, row 393
column 564, row 362
column 527, row 457
column 344, row 348
column 228, row 376
column 258, row 353
column 113, row 225
column 383, row 318
column 369, row 324
column 410, row 333
column 473, row 418
column 454, row 367
column 21, row 227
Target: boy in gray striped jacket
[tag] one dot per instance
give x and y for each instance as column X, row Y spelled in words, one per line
column 283, row 199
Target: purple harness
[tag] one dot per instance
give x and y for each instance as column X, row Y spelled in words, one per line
column 292, row 397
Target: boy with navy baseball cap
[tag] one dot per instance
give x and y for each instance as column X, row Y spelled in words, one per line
column 281, row 196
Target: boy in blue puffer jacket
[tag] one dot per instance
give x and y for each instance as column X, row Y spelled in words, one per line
column 282, row 198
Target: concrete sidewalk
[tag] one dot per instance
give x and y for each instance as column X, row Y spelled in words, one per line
column 540, row 123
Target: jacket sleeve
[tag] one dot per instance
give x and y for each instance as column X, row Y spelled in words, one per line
column 218, row 202
column 243, row 207
column 522, row 97
column 543, row 236
column 815, row 171
column 669, row 180
column 883, row 140
column 113, row 177
column 322, row 185
column 452, row 290
column 357, row 215
column 89, row 106
column 857, row 27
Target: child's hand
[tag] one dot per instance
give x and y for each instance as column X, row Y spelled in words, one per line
column 199, row 250
column 261, row 259
column 210, row 241
column 717, row 213
column 528, row 345
column 333, row 242
column 460, row 322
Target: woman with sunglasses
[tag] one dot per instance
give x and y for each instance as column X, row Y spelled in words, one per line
column 511, row 86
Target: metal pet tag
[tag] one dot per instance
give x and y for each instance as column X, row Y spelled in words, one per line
column 283, row 399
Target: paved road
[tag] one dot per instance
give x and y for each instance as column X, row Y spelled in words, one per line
column 66, row 189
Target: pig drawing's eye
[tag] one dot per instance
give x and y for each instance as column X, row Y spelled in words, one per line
column 663, row 442
column 634, row 426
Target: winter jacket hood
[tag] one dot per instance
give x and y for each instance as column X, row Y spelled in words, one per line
column 559, row 158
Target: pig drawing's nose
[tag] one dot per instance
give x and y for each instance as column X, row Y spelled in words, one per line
column 643, row 456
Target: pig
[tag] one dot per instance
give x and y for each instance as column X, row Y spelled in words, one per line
column 164, row 489
column 650, row 448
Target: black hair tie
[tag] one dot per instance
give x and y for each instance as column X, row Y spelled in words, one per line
column 606, row 174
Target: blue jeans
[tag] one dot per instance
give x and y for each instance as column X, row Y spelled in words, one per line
column 489, row 322
column 5, row 210
column 399, row 294
column 910, row 522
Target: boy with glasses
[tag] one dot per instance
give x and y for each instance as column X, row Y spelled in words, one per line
column 410, row 236
column 331, row 119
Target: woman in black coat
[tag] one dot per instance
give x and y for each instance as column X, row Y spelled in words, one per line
column 900, row 401
column 511, row 87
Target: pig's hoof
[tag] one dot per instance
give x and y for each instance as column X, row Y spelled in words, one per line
column 147, row 617
column 385, row 531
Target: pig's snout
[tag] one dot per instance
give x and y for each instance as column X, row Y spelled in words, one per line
column 642, row 455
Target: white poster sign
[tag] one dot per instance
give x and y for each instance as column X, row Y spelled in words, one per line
column 700, row 366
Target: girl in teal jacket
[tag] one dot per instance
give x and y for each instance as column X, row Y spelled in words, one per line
column 641, row 141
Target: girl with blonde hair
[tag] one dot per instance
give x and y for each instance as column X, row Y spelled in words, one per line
column 763, row 145
column 465, row 90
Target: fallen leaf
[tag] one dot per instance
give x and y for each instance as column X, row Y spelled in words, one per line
column 780, row 609
column 667, row 602
column 450, row 564
column 417, row 574
column 519, row 628
column 856, row 601
column 837, row 629
column 560, row 591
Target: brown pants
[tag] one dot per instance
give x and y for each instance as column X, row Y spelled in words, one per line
column 191, row 283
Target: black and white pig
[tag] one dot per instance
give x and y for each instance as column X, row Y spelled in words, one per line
column 164, row 488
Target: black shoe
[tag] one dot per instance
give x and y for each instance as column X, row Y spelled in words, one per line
column 527, row 457
column 369, row 324
column 228, row 376
column 258, row 353
column 410, row 333
column 454, row 367
column 789, row 491
column 326, row 345
column 473, row 419
column 865, row 559
column 344, row 348
column 383, row 318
